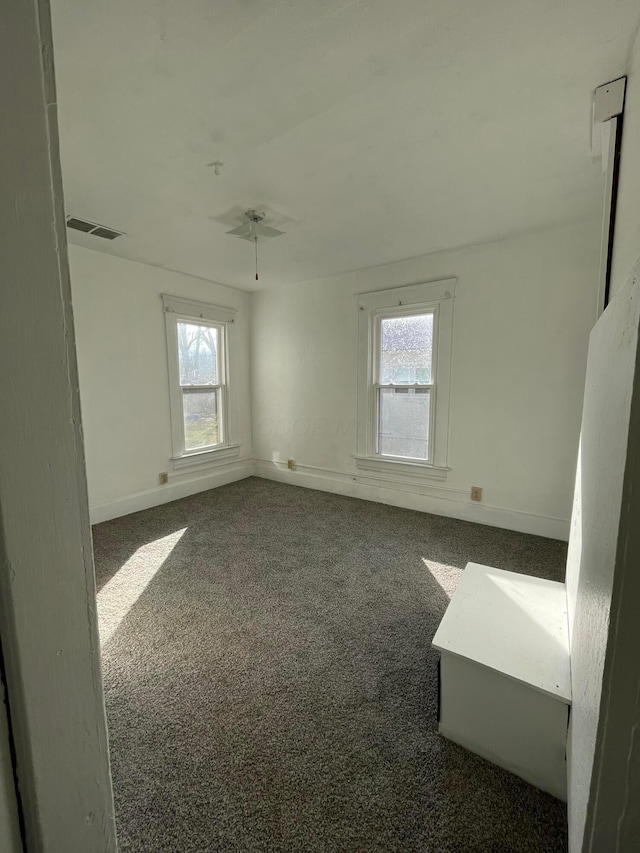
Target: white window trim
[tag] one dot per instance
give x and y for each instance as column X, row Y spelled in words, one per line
column 178, row 308
column 436, row 296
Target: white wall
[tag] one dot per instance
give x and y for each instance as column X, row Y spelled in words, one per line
column 124, row 390
column 524, row 309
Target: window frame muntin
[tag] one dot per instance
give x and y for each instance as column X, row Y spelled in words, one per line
column 221, row 386
column 376, row 318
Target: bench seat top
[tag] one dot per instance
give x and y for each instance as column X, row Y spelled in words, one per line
column 512, row 623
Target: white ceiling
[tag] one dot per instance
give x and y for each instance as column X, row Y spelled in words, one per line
column 369, row 130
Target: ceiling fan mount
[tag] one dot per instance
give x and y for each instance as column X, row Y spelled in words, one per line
column 253, row 229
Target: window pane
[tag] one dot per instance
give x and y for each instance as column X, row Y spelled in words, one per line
column 406, row 346
column 198, row 354
column 403, row 422
column 201, row 413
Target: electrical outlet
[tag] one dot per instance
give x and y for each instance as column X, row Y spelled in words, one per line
column 476, row 493
column 163, row 477
column 291, row 464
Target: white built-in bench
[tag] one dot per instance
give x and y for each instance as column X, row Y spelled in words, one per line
column 505, row 681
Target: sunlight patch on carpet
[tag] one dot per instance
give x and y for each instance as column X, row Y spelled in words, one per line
column 445, row 576
column 117, row 597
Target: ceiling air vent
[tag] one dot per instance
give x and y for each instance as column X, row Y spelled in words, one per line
column 93, row 228
column 79, row 224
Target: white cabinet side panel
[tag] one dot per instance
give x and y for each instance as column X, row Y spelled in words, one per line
column 514, row 726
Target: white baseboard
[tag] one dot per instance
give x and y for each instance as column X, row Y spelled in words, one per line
column 173, row 490
column 440, row 500
column 433, row 498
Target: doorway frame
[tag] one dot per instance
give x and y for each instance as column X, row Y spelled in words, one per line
column 48, row 628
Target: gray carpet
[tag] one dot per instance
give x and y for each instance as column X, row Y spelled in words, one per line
column 270, row 683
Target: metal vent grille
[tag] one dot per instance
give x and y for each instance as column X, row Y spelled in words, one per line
column 93, row 228
column 107, row 233
column 79, row 224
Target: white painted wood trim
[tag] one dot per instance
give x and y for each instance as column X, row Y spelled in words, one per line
column 206, row 458
column 47, row 587
column 409, row 294
column 195, row 309
column 180, row 486
column 10, row 841
column 437, row 296
column 177, row 308
column 395, row 490
column 415, row 469
column 424, row 497
column 603, row 587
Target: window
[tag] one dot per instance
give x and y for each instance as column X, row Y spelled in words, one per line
column 403, row 378
column 403, row 387
column 198, row 347
column 202, row 385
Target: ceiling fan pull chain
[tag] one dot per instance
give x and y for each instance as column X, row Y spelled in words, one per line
column 253, row 229
column 255, row 240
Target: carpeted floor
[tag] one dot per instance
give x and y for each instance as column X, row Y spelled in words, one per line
column 270, row 683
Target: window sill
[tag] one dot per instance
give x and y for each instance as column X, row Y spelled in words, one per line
column 205, row 458
column 417, row 469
